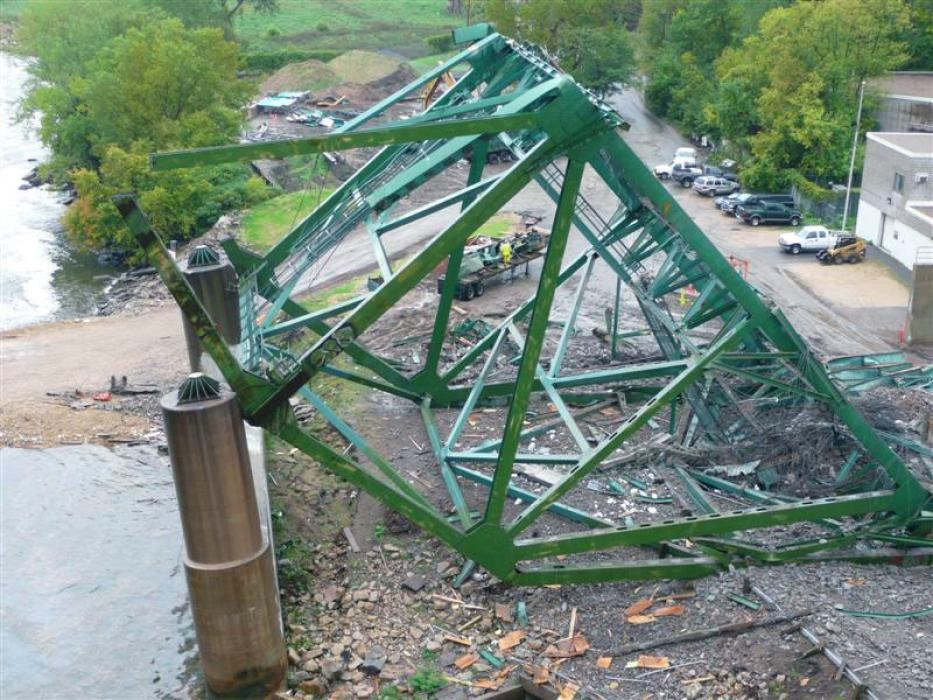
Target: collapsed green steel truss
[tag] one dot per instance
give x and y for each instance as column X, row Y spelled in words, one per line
column 727, row 348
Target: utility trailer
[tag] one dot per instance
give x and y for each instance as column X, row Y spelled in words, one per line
column 482, row 263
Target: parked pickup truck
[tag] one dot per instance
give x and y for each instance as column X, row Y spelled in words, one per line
column 729, row 205
column 666, row 170
column 716, row 171
column 809, row 239
column 686, row 174
column 768, row 213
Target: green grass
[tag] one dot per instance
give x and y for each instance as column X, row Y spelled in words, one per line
column 398, row 25
column 266, row 223
column 425, row 63
column 10, row 10
column 498, row 226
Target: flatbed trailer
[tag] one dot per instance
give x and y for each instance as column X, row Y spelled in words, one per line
column 482, row 264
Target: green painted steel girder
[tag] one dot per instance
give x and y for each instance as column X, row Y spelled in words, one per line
column 382, row 136
column 706, row 361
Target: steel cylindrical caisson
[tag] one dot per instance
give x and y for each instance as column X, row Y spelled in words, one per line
column 229, row 561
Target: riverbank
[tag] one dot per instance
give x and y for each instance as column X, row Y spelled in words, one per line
column 49, row 374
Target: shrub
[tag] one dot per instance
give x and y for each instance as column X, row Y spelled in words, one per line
column 441, row 43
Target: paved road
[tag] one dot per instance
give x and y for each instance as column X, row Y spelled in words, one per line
column 837, row 328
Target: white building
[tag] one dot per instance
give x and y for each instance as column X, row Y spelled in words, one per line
column 895, row 209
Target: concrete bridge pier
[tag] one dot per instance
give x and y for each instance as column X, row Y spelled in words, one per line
column 215, row 284
column 229, row 559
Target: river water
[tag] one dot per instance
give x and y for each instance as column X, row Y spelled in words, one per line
column 93, row 600
column 92, row 583
column 41, row 278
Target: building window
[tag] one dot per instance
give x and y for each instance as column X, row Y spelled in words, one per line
column 898, row 182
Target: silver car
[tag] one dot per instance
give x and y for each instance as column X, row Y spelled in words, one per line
column 710, row 185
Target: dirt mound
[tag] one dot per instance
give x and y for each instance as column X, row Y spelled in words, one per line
column 366, row 67
column 308, row 75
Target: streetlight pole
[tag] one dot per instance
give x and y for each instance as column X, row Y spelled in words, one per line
column 858, row 123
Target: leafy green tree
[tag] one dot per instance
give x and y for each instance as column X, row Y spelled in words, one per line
column 918, row 36
column 113, row 87
column 179, row 203
column 213, row 13
column 705, row 29
column 159, row 87
column 64, row 39
column 164, row 85
column 590, row 38
column 812, row 57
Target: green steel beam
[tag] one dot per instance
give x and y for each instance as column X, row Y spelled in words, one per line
column 694, row 369
column 570, row 323
column 334, row 342
column 605, row 572
column 452, row 275
column 468, row 193
column 537, row 327
column 711, row 524
column 567, row 512
column 543, row 117
column 366, row 138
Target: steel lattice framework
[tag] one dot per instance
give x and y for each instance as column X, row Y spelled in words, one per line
column 728, row 348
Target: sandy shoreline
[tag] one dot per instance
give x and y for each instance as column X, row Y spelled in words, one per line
column 82, row 354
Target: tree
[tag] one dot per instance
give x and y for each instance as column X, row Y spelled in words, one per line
column 231, row 8
column 178, row 203
column 811, row 58
column 159, row 87
column 164, row 85
column 588, row 37
column 64, row 39
column 127, row 83
column 918, row 36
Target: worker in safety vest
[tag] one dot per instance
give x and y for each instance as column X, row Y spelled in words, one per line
column 506, row 251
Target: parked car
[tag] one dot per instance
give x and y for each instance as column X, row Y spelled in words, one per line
column 809, row 239
column 708, row 185
column 716, row 171
column 685, row 153
column 685, row 174
column 666, row 170
column 768, row 213
column 728, row 207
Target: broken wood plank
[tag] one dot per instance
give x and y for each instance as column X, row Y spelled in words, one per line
column 733, row 628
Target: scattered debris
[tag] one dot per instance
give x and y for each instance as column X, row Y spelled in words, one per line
column 734, row 628
column 645, row 661
column 413, row 583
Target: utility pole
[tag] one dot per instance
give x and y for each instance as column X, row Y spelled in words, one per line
column 858, row 123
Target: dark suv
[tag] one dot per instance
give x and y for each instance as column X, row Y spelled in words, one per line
column 716, row 171
column 728, row 206
column 768, row 213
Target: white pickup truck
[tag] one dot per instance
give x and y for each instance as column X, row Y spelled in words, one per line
column 809, row 239
column 665, row 171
